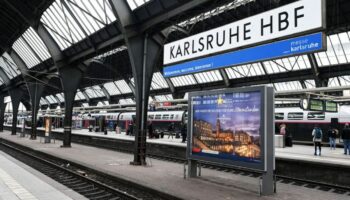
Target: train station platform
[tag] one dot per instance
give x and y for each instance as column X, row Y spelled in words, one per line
column 168, row 176
column 297, row 152
column 21, row 182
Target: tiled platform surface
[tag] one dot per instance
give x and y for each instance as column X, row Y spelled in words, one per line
column 21, row 182
column 168, row 177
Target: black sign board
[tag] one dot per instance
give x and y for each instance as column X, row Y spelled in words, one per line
column 331, row 106
column 316, row 105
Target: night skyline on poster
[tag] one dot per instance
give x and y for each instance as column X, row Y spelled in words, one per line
column 227, row 126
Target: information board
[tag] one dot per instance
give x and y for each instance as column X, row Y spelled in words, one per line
column 229, row 126
column 331, row 106
column 316, row 105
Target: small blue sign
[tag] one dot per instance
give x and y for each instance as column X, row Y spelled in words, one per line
column 290, row 47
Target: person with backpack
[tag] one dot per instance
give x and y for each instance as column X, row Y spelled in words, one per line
column 332, row 136
column 346, row 139
column 317, row 138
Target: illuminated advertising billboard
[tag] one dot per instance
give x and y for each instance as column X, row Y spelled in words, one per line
column 229, row 126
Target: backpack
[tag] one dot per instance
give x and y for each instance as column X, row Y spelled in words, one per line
column 318, row 134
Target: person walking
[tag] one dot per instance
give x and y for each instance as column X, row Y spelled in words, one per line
column 332, row 136
column 317, row 138
column 346, row 139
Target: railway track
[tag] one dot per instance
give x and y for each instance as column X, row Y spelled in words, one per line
column 89, row 183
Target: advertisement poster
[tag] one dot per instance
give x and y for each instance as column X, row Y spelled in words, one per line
column 47, row 126
column 227, row 126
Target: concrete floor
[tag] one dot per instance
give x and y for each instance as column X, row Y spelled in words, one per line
column 168, row 176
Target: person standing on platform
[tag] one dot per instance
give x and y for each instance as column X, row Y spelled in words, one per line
column 150, row 130
column 346, row 139
column 184, row 132
column 332, row 136
column 317, row 138
column 283, row 129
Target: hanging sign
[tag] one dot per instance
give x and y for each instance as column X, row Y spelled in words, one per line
column 300, row 17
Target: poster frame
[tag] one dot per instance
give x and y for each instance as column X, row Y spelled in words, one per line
column 266, row 112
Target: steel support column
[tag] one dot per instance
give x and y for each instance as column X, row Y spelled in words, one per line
column 35, row 91
column 71, row 78
column 2, row 112
column 16, row 96
column 143, row 53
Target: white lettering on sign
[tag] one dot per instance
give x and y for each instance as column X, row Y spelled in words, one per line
column 295, row 18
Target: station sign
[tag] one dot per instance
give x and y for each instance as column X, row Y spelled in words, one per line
column 232, row 126
column 295, row 19
column 285, row 48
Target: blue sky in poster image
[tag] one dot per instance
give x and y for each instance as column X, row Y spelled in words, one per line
column 239, row 111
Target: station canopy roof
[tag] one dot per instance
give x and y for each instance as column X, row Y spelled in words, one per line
column 79, row 27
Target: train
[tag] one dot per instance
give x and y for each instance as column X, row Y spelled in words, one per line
column 299, row 123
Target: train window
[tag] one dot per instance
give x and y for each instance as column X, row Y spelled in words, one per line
column 165, row 116
column 279, row 116
column 171, row 116
column 295, row 116
column 316, row 116
column 158, row 117
column 151, row 116
column 121, row 116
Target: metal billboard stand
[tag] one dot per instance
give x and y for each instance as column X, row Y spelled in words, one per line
column 267, row 181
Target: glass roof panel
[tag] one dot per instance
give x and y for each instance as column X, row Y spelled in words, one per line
column 60, row 97
column 249, row 70
column 133, row 4
column 43, row 101
column 92, row 15
column 111, row 88
column 10, row 68
column 207, row 77
column 126, row 101
column 61, row 25
column 333, row 82
column 36, row 44
column 344, row 80
column 85, row 105
column 310, row 84
column 94, row 92
column 1, row 81
column 158, row 82
column 70, row 21
column 123, row 86
column 25, row 51
column 79, row 96
column 287, row 64
column 183, row 80
column 163, row 97
column 338, row 50
column 51, row 99
column 292, row 85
